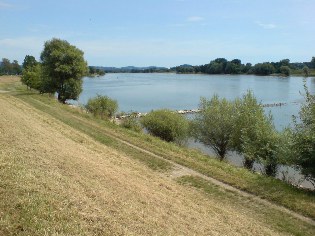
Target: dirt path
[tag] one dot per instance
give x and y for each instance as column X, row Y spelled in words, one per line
column 180, row 170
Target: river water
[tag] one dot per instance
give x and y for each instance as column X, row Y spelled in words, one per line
column 146, row 92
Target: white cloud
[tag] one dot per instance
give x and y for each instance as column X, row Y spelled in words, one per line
column 266, row 26
column 195, row 19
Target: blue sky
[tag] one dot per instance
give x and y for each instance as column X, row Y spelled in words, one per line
column 161, row 32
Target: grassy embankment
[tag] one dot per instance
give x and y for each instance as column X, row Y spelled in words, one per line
column 64, row 190
column 301, row 73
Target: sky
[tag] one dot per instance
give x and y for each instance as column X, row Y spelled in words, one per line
column 161, row 32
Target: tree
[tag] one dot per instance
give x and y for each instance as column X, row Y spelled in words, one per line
column 247, row 68
column 102, row 106
column 6, row 66
column 32, row 77
column 29, row 61
column 306, row 71
column 64, row 66
column 303, row 138
column 215, row 68
column 16, row 68
column 313, row 62
column 263, row 69
column 31, row 73
column 254, row 134
column 285, row 70
column 263, row 148
column 214, row 125
column 167, row 125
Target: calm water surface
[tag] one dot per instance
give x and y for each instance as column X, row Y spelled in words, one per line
column 146, row 92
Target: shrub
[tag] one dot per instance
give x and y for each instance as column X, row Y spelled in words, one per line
column 303, row 137
column 214, row 125
column 102, row 106
column 285, row 70
column 131, row 123
column 167, row 125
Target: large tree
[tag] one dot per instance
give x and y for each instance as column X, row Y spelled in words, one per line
column 63, row 66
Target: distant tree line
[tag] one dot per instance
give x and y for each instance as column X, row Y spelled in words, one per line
column 235, row 66
column 133, row 69
column 10, row 68
column 94, row 71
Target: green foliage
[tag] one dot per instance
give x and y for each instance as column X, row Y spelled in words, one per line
column 29, row 62
column 254, row 135
column 8, row 68
column 214, row 125
column 32, row 76
column 303, row 135
column 64, row 67
column 240, row 125
column 167, row 125
column 93, row 71
column 131, row 123
column 265, row 68
column 102, row 106
column 249, row 112
column 285, row 70
column 306, row 71
column 264, row 148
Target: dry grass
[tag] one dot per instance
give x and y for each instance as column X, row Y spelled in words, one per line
column 8, row 82
column 9, row 79
column 58, row 181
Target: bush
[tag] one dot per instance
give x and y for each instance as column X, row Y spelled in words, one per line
column 255, row 136
column 131, row 123
column 102, row 107
column 214, row 125
column 285, row 70
column 167, row 125
column 303, row 138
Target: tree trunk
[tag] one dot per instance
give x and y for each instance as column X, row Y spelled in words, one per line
column 248, row 163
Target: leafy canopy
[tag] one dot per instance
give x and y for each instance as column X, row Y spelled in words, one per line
column 63, row 66
column 214, row 125
column 303, row 134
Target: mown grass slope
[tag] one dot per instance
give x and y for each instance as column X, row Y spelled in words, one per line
column 62, row 175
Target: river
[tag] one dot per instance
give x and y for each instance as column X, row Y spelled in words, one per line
column 146, row 92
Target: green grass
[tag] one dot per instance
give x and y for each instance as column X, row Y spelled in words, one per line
column 298, row 200
column 65, row 114
column 301, row 73
column 275, row 219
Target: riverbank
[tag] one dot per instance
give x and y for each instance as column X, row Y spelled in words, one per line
column 273, row 190
column 182, row 112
